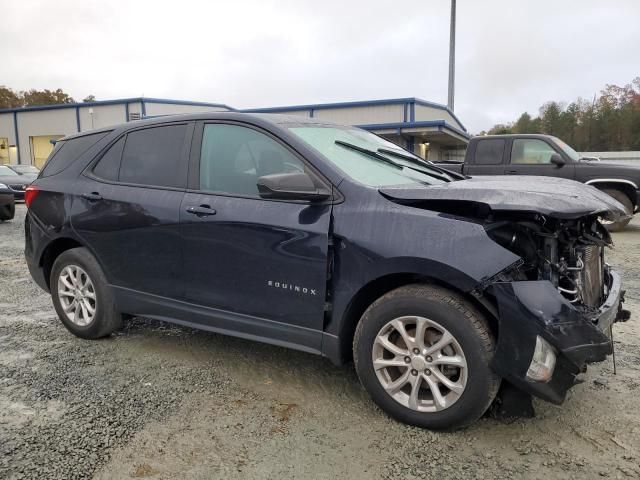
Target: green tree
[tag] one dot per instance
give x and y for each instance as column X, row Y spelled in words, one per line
column 611, row 121
column 523, row 124
column 45, row 97
column 500, row 129
column 89, row 98
column 9, row 98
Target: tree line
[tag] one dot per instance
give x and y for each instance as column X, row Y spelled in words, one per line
column 609, row 122
column 10, row 98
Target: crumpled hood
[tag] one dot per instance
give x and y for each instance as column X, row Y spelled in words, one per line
column 553, row 197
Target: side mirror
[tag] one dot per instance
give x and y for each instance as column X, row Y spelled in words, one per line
column 291, row 186
column 557, row 160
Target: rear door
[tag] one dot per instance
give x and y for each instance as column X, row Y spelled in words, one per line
column 262, row 261
column 487, row 158
column 128, row 210
column 532, row 156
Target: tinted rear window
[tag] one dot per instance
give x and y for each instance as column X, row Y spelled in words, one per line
column 152, row 157
column 490, row 151
column 67, row 151
column 109, row 165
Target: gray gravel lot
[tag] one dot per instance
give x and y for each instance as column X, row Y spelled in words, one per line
column 163, row 402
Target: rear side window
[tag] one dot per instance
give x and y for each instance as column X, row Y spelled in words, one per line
column 109, row 165
column 152, row 157
column 490, row 151
column 67, row 151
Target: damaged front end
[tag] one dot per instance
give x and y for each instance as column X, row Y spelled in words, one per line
column 557, row 305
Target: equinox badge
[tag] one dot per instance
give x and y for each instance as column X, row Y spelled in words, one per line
column 293, row 288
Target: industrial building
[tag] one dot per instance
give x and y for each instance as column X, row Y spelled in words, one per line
column 428, row 129
column 26, row 133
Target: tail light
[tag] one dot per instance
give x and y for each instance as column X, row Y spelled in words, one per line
column 30, row 194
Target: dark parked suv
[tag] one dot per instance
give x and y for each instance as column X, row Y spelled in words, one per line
column 331, row 240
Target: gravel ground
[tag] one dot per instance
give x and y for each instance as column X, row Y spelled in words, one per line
column 157, row 401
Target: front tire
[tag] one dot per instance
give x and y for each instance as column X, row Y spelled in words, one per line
column 628, row 206
column 81, row 295
column 423, row 354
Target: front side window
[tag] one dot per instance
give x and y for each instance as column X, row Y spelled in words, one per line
column 233, row 157
column 367, row 158
column 152, row 157
column 570, row 152
column 531, row 151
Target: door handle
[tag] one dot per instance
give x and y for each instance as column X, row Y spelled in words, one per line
column 92, row 197
column 201, row 210
column 511, row 172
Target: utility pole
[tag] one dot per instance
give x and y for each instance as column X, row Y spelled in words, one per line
column 452, row 55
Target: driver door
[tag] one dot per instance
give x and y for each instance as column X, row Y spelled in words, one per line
column 532, row 156
column 259, row 266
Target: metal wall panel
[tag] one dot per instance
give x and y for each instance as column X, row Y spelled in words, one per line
column 424, row 113
column 103, row 116
column 362, row 115
column 6, row 127
column 153, row 109
column 44, row 122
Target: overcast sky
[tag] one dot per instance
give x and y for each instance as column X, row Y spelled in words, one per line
column 511, row 56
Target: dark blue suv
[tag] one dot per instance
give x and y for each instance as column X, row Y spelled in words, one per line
column 332, row 240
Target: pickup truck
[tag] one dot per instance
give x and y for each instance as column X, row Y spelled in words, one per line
column 545, row 155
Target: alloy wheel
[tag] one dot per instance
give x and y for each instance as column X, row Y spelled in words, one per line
column 419, row 363
column 77, row 295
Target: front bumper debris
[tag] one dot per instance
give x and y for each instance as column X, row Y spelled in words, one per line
column 531, row 308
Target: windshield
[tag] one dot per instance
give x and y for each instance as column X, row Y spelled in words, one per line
column 367, row 158
column 7, row 172
column 571, row 153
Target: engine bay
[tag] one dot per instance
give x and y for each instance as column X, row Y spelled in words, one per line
column 568, row 253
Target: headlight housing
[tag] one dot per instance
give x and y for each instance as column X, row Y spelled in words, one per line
column 543, row 361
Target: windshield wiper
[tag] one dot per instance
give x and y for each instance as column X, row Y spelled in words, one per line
column 371, row 153
column 425, row 166
column 422, row 163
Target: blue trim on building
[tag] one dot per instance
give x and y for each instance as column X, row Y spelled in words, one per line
column 311, row 113
column 126, row 112
column 15, row 131
column 116, row 102
column 143, row 110
column 411, row 101
column 317, row 106
column 404, row 112
column 78, row 119
column 412, row 112
column 440, row 124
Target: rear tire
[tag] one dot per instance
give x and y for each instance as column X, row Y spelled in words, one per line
column 628, row 206
column 82, row 296
column 455, row 351
column 7, row 212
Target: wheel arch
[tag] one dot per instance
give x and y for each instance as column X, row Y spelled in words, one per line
column 625, row 186
column 342, row 352
column 52, row 251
